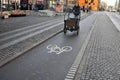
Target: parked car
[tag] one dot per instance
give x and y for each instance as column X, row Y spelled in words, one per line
column 113, row 10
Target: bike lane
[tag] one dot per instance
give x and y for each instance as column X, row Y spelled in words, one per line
column 46, row 63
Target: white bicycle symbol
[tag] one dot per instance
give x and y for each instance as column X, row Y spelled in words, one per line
column 58, row 50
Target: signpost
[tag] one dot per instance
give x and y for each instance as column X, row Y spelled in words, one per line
column 119, row 7
column 1, row 7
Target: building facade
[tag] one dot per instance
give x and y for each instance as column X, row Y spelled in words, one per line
column 117, row 5
column 93, row 3
column 53, row 3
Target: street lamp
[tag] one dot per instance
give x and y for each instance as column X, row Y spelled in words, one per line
column 66, row 3
column 119, row 7
column 15, row 5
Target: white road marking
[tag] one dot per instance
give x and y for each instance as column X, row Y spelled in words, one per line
column 28, row 36
column 57, row 50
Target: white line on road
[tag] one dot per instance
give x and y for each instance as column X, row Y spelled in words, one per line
column 27, row 27
column 24, row 32
column 28, row 36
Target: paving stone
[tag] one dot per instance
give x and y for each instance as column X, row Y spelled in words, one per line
column 101, row 60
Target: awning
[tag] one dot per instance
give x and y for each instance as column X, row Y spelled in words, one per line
column 40, row 0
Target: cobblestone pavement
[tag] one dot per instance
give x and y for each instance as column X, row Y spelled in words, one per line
column 101, row 60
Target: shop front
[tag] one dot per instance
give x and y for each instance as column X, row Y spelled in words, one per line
column 92, row 3
column 61, row 3
column 56, row 5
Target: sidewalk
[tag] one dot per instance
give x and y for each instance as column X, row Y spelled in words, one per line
column 37, row 13
column 115, row 18
column 45, row 13
column 101, row 59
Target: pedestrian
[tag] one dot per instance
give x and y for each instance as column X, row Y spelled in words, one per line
column 41, row 6
column 17, row 5
column 87, row 8
column 30, row 6
column 13, row 5
column 76, row 10
column 90, row 8
column 83, row 8
column 58, row 8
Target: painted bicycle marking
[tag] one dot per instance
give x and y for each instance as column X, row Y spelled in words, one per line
column 55, row 49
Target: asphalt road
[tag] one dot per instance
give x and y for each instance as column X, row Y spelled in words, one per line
column 41, row 63
column 14, row 23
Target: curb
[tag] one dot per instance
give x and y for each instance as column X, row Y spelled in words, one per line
column 72, row 73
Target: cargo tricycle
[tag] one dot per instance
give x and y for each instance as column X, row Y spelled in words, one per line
column 71, row 23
